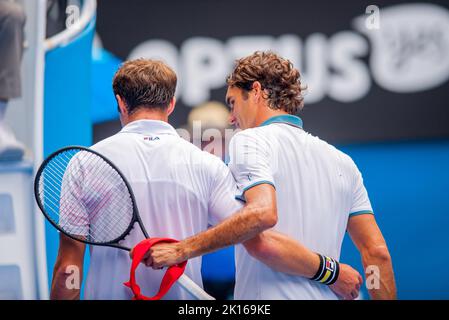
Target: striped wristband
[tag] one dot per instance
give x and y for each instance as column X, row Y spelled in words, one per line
column 328, row 271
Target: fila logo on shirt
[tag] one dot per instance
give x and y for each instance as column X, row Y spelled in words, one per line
column 151, row 138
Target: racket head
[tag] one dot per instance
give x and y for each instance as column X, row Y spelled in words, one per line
column 86, row 197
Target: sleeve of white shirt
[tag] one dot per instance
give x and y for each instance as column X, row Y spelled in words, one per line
column 73, row 217
column 222, row 202
column 250, row 162
column 360, row 203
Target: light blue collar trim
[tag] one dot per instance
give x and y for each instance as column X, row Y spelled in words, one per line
column 149, row 127
column 285, row 118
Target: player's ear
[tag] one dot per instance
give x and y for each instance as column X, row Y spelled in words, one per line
column 121, row 105
column 171, row 106
column 257, row 90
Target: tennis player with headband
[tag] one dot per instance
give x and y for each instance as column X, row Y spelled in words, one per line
column 314, row 193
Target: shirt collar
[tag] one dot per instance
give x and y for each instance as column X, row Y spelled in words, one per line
column 285, row 118
column 149, row 127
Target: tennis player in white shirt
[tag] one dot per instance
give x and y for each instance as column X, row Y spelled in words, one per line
column 314, row 191
column 179, row 190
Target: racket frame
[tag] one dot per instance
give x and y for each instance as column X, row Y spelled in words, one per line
column 184, row 281
column 135, row 218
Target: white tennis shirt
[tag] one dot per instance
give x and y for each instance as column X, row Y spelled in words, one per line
column 317, row 188
column 179, row 190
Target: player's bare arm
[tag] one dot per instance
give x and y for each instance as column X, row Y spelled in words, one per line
column 272, row 248
column 368, row 239
column 252, row 219
column 287, row 255
column 71, row 253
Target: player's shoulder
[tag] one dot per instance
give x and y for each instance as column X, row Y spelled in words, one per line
column 251, row 136
column 195, row 155
column 252, row 132
column 342, row 158
column 111, row 141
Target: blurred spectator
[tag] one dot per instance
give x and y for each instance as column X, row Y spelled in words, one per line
column 12, row 21
column 207, row 123
column 212, row 114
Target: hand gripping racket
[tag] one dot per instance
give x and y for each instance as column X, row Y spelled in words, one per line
column 85, row 196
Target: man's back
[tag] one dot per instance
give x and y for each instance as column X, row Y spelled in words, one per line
column 179, row 190
column 315, row 189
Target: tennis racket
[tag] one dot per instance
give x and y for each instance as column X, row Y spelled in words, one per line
column 86, row 197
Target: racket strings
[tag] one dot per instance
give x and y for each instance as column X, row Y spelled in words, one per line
column 56, row 181
column 53, row 174
column 110, row 181
column 102, row 167
column 86, row 196
column 94, row 211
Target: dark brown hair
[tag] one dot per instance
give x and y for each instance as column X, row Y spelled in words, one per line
column 144, row 83
column 277, row 76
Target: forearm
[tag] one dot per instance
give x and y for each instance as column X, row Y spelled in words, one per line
column 244, row 225
column 259, row 214
column 283, row 254
column 68, row 270
column 66, row 282
column 379, row 273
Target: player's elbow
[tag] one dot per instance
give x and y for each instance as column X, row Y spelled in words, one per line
column 253, row 247
column 62, row 267
column 66, row 281
column 256, row 247
column 378, row 253
column 66, row 268
column 64, row 271
column 269, row 219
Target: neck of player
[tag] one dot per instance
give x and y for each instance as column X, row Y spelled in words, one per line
column 264, row 113
column 146, row 114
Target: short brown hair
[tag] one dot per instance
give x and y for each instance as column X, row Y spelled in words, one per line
column 145, row 83
column 277, row 76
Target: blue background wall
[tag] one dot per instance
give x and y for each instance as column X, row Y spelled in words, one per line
column 408, row 184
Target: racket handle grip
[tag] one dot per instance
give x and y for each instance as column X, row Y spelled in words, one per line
column 194, row 289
